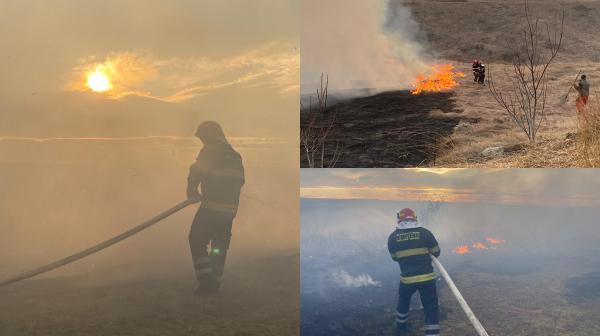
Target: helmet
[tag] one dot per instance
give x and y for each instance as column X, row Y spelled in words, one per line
column 583, row 76
column 210, row 130
column 406, row 214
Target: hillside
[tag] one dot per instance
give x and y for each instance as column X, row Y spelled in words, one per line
column 454, row 128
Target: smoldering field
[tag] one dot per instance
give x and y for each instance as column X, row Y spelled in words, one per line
column 542, row 281
column 368, row 51
column 61, row 196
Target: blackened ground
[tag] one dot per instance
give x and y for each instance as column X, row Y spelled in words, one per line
column 390, row 129
column 585, row 288
column 363, row 311
column 557, row 296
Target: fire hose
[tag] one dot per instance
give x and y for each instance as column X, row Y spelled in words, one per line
column 461, row 300
column 98, row 247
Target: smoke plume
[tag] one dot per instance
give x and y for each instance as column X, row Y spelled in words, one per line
column 360, row 44
column 346, row 280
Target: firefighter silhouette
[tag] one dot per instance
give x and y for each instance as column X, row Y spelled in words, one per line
column 219, row 173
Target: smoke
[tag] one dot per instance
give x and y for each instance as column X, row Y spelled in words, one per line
column 360, row 44
column 346, row 280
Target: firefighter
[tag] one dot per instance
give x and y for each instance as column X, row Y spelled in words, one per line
column 475, row 67
column 410, row 245
column 583, row 88
column 481, row 74
column 219, row 172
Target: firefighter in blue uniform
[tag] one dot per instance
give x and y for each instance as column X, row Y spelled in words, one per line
column 410, row 245
column 219, row 172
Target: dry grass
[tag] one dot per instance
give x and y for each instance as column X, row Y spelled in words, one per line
column 588, row 136
column 557, row 146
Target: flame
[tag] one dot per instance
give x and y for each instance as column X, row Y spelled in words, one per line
column 462, row 249
column 442, row 78
column 495, row 241
column 479, row 246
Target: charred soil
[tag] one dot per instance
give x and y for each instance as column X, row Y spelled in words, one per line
column 390, row 129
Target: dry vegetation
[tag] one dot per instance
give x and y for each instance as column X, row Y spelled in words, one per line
column 588, row 137
column 453, row 129
column 317, row 127
column 563, row 140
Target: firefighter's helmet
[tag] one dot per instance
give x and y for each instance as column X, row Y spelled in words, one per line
column 406, row 214
column 210, row 130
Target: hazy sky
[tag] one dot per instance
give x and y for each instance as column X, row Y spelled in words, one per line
column 553, row 187
column 171, row 64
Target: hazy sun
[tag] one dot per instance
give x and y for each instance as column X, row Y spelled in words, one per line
column 98, row 81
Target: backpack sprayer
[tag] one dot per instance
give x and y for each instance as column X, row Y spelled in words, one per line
column 98, row 247
column 461, row 300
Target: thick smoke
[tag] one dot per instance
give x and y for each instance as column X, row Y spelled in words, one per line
column 360, row 44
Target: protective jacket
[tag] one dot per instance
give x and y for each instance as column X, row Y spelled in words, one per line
column 583, row 87
column 411, row 247
column 220, row 173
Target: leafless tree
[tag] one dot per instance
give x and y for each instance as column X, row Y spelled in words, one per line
column 532, row 55
column 316, row 129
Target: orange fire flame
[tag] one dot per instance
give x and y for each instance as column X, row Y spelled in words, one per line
column 442, row 78
column 479, row 246
column 461, row 249
column 495, row 241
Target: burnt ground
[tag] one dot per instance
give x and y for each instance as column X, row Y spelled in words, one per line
column 559, row 296
column 459, row 31
column 259, row 297
column 390, row 129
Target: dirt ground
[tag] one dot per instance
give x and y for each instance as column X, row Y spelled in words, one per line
column 259, row 297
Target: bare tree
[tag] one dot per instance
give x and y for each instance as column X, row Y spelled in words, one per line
column 532, row 55
column 316, row 129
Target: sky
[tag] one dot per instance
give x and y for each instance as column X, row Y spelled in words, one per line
column 171, row 65
column 543, row 187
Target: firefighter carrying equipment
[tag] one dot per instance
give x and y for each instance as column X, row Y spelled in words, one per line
column 478, row 72
column 411, row 245
column 583, row 88
column 219, row 172
column 98, row 247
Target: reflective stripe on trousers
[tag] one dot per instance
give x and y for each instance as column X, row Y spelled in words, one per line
column 401, row 318
column 202, row 267
column 432, row 329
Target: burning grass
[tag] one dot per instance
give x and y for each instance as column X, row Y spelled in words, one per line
column 443, row 77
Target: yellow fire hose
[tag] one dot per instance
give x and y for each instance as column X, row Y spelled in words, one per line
column 461, row 300
column 98, row 247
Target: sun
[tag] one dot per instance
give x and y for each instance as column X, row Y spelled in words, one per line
column 98, row 81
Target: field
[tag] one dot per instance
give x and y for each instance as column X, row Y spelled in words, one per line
column 454, row 128
column 542, row 281
column 67, row 195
